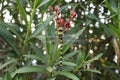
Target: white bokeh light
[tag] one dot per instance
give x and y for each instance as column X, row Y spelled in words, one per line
column 91, row 51
column 44, row 16
column 68, row 1
column 34, row 62
column 7, row 16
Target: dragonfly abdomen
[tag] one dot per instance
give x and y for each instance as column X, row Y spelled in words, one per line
column 60, row 36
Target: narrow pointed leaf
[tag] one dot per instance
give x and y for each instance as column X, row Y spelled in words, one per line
column 37, row 51
column 7, row 76
column 69, row 55
column 29, row 69
column 92, row 70
column 69, row 63
column 40, row 27
column 68, row 75
column 80, row 57
column 7, row 63
column 22, row 11
column 34, row 57
column 115, row 30
column 8, row 37
column 39, row 3
column 93, row 59
column 68, row 44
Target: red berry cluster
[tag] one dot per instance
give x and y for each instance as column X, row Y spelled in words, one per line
column 60, row 22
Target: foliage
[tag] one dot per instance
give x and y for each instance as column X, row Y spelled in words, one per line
column 29, row 42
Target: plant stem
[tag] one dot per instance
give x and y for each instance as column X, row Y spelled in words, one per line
column 25, row 45
column 81, row 64
column 76, row 69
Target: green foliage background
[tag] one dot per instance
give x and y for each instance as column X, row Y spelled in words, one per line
column 90, row 46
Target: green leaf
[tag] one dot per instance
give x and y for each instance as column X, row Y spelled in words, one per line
column 92, row 70
column 51, row 32
column 113, row 5
column 52, row 78
column 50, row 3
column 37, row 51
column 40, row 27
column 39, row 3
column 80, row 57
column 116, row 30
column 43, row 3
column 51, row 40
column 22, row 11
column 8, row 37
column 69, row 55
column 68, row 44
column 19, row 78
column 7, row 63
column 68, row 68
column 69, row 63
column 48, row 46
column 7, row 76
column 68, row 75
column 50, row 69
column 109, row 6
column 32, row 56
column 15, row 29
column 42, row 38
column 93, row 59
column 63, row 7
column 29, row 69
column 28, row 2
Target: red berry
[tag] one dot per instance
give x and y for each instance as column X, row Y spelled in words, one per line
column 56, row 8
column 67, row 24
